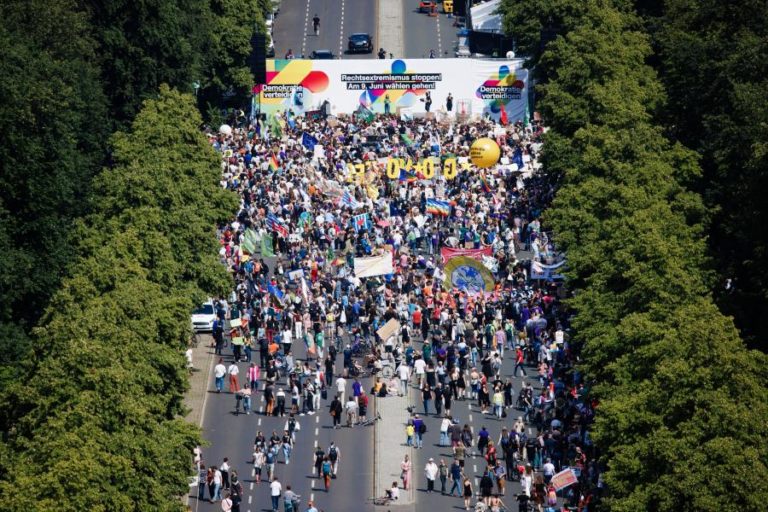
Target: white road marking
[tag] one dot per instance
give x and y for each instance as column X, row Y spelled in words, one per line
column 306, row 29
column 259, row 422
column 249, row 499
column 317, row 431
column 313, row 486
column 317, row 419
column 251, row 485
column 312, row 496
column 253, row 473
column 341, row 31
column 474, row 468
column 470, row 418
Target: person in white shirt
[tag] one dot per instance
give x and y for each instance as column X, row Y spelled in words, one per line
column 352, row 410
column 217, row 480
column 430, row 471
column 341, row 387
column 420, row 366
column 393, row 492
column 404, row 372
column 549, row 470
column 233, row 372
column 226, row 504
column 219, row 371
column 275, row 491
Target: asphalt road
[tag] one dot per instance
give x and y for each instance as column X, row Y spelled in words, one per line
column 465, row 411
column 338, row 20
column 424, row 33
column 232, row 436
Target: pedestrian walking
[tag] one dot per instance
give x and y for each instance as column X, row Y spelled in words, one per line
column 202, row 481
column 219, row 371
column 335, row 411
column 431, row 472
column 467, row 492
column 275, row 491
column 442, row 472
column 405, row 471
column 233, row 371
column 334, row 456
column 224, row 468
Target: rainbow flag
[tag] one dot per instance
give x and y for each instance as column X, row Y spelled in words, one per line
column 408, row 176
column 437, row 207
column 273, row 163
column 484, row 182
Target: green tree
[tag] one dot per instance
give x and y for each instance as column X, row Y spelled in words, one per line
column 714, row 63
column 51, row 145
column 110, row 346
column 228, row 50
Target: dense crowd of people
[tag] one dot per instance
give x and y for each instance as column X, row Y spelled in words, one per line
column 315, row 195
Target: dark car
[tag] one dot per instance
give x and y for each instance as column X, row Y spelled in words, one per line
column 322, row 55
column 360, row 43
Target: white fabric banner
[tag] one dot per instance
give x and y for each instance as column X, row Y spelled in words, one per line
column 374, row 266
column 541, row 271
column 478, row 87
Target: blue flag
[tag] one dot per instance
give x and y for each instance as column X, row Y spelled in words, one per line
column 308, row 141
column 276, row 292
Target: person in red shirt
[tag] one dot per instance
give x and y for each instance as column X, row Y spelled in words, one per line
column 519, row 362
column 417, row 318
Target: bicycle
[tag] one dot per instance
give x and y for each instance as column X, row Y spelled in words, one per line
column 370, row 421
column 381, row 501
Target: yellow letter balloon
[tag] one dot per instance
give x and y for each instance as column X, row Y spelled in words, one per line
column 484, row 152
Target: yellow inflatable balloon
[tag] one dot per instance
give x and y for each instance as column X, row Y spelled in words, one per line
column 484, row 152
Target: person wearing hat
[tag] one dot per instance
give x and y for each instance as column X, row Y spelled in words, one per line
column 431, row 471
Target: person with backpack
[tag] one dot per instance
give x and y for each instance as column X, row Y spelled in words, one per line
column 420, row 428
column 334, row 456
column 236, row 492
column 292, row 426
column 287, row 444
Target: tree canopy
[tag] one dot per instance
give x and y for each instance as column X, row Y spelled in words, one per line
column 108, row 371
column 681, row 398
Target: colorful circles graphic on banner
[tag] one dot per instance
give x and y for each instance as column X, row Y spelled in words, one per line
column 484, row 152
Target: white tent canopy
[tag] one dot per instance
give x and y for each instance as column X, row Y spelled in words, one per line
column 485, row 17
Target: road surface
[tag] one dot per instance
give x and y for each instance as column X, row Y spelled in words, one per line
column 338, row 20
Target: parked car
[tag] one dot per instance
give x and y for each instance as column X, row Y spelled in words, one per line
column 203, row 317
column 360, row 43
column 322, row 55
column 269, row 21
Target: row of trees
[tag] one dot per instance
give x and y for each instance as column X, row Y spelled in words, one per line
column 681, row 422
column 107, row 263
column 96, row 423
column 713, row 59
column 71, row 73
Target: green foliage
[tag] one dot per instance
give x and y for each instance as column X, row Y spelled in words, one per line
column 51, row 144
column 714, row 62
column 681, row 420
column 107, row 366
column 144, row 44
column 228, row 49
